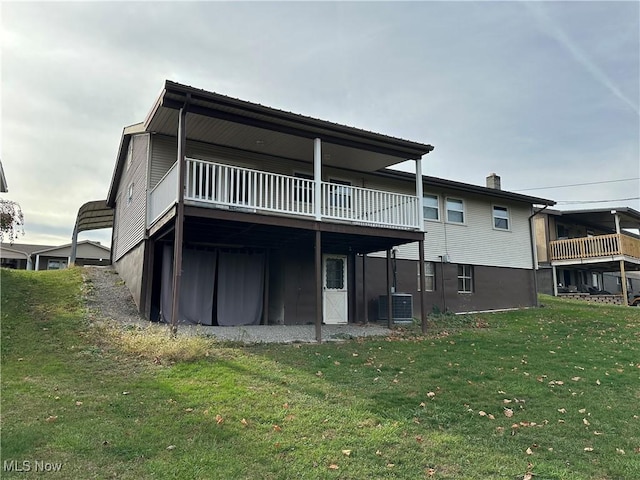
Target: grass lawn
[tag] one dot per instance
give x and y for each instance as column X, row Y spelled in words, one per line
column 549, row 393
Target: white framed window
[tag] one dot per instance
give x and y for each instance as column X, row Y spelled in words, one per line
column 431, row 207
column 130, row 194
column 429, row 276
column 465, row 279
column 302, row 188
column 340, row 194
column 53, row 264
column 501, row 218
column 455, row 210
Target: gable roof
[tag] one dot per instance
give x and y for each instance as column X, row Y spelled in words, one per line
column 60, row 248
column 26, row 248
column 467, row 188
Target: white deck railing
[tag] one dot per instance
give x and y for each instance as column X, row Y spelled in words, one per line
column 163, row 195
column 226, row 186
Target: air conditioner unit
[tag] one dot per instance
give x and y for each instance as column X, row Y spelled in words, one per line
column 401, row 307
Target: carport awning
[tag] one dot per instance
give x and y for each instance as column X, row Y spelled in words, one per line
column 94, row 215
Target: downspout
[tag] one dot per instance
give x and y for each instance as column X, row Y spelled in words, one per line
column 534, row 256
column 179, row 222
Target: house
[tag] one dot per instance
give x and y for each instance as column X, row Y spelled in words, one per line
column 228, row 212
column 577, row 249
column 478, row 248
column 49, row 257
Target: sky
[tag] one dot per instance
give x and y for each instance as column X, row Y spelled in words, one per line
column 545, row 94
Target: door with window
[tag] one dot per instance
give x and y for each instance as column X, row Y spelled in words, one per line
column 335, row 295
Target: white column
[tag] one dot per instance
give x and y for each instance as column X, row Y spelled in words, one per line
column 419, row 194
column 623, row 274
column 37, row 262
column 317, row 176
column 555, row 281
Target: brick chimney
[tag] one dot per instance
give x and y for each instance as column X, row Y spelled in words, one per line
column 493, row 181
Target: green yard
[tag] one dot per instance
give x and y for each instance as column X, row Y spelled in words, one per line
column 549, row 393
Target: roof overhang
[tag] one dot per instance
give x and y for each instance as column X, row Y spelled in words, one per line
column 604, row 218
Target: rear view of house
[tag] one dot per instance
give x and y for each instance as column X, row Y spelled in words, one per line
column 229, row 212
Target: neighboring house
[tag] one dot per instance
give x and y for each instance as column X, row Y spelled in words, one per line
column 478, row 248
column 274, row 210
column 575, row 249
column 49, row 257
column 612, row 282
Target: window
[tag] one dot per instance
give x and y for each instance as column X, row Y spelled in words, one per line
column 56, row 264
column 130, row 194
column 302, row 190
column 340, row 194
column 455, row 210
column 430, row 207
column 465, row 279
column 334, row 273
column 501, row 218
column 429, row 276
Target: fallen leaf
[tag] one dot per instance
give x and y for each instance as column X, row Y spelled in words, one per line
column 78, row 403
column 346, row 453
column 529, row 451
column 431, row 394
column 585, row 421
column 582, row 410
column 482, row 413
column 418, row 439
column 336, row 363
column 125, row 393
column 597, row 382
column 527, row 476
column 244, row 422
column 588, row 449
column 391, row 465
column 562, row 410
column 491, row 417
column 354, row 354
column 597, row 433
column 318, row 373
column 575, row 379
column 422, row 404
column 620, row 451
column 431, row 472
column 506, row 400
column 277, row 428
column 508, row 412
column 219, row 419
column 286, row 405
column 378, row 452
column 51, row 418
column 188, row 410
column 333, row 466
column 171, row 447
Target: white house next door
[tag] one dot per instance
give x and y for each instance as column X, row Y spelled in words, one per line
column 334, row 298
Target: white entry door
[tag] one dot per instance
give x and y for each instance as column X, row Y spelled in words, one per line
column 334, row 298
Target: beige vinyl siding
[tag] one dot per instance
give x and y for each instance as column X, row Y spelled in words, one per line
column 476, row 242
column 130, row 224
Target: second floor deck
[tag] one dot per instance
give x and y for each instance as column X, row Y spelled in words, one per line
column 595, row 249
column 216, row 185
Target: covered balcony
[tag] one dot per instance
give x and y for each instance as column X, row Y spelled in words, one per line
column 216, row 185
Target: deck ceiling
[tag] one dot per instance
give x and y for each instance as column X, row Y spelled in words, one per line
column 629, row 218
column 220, row 120
column 236, row 234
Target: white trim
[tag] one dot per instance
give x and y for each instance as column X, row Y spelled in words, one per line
column 463, row 211
column 437, row 207
column 493, row 217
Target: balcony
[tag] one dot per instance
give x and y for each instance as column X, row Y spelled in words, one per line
column 595, row 249
column 216, row 185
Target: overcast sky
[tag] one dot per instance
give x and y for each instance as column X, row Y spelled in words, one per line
column 542, row 93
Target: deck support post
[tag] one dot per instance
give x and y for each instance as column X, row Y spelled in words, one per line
column 555, row 280
column 318, row 262
column 365, row 306
column 389, row 297
column 179, row 220
column 623, row 274
column 423, row 313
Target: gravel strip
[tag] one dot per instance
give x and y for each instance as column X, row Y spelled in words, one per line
column 109, row 299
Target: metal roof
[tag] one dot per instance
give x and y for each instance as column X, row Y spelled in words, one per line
column 467, row 187
column 94, row 215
